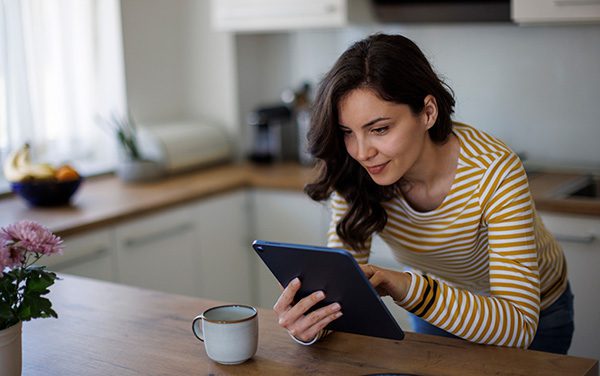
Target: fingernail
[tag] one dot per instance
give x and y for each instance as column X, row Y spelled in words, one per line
column 338, row 314
column 295, row 281
column 336, row 307
column 320, row 295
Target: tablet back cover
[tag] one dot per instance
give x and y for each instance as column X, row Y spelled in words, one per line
column 336, row 273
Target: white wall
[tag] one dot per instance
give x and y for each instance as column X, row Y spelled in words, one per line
column 177, row 68
column 537, row 88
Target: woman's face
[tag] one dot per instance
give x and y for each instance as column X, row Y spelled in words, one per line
column 386, row 138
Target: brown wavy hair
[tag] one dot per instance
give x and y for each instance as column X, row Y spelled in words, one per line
column 397, row 71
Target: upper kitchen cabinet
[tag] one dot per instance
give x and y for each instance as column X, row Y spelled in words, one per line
column 282, row 15
column 555, row 11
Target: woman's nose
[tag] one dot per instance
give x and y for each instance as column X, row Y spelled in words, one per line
column 365, row 150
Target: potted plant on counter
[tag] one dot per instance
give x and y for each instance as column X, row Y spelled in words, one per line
column 132, row 166
column 23, row 285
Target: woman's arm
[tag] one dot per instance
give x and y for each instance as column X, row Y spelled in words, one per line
column 509, row 316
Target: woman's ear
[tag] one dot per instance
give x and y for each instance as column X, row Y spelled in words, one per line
column 430, row 111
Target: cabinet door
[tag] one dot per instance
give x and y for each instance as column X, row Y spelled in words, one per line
column 157, row 252
column 546, row 11
column 580, row 239
column 284, row 216
column 89, row 255
column 226, row 258
column 267, row 15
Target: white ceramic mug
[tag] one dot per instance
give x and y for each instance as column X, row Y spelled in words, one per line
column 229, row 333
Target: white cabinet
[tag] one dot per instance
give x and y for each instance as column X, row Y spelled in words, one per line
column 271, row 15
column 283, row 216
column 550, row 11
column 89, row 255
column 158, row 252
column 224, row 257
column 580, row 239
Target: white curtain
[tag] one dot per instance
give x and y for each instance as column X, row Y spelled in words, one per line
column 61, row 68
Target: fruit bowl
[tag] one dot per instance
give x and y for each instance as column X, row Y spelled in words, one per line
column 46, row 192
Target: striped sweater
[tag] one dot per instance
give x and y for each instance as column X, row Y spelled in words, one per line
column 482, row 263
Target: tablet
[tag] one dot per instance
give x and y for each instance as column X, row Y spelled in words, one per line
column 337, row 274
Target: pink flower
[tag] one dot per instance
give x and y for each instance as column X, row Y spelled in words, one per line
column 28, row 237
column 10, row 257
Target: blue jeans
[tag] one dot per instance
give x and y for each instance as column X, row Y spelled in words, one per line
column 555, row 327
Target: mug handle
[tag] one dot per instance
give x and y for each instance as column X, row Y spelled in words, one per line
column 197, row 327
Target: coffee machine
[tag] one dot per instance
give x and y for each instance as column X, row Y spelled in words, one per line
column 266, row 123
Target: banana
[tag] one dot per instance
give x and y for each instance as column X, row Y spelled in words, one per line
column 18, row 167
column 38, row 171
column 12, row 171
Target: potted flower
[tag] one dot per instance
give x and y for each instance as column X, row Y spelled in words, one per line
column 132, row 167
column 23, row 285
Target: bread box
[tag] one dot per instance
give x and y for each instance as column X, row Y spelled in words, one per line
column 183, row 146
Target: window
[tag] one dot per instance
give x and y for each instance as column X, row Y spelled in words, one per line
column 61, row 69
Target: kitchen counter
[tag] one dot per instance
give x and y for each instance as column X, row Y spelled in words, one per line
column 107, row 200
column 109, row 329
column 549, row 193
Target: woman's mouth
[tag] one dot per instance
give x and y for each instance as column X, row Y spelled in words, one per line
column 377, row 169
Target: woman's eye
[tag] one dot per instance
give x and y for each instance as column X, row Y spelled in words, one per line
column 346, row 132
column 380, row 130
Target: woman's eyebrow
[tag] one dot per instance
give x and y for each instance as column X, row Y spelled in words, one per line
column 376, row 120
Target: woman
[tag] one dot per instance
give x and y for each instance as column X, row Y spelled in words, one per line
column 452, row 202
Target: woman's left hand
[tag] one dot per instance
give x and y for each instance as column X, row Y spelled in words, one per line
column 387, row 282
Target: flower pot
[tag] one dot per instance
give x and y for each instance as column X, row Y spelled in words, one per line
column 139, row 170
column 10, row 350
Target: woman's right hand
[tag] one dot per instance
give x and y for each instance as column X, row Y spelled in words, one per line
column 293, row 317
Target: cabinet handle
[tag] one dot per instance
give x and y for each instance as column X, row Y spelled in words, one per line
column 147, row 239
column 586, row 239
column 567, row 3
column 80, row 259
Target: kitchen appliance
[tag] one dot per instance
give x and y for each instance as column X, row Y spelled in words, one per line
column 266, row 123
column 183, row 146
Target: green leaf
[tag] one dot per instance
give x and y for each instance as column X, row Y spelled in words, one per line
column 38, row 281
column 24, row 311
column 8, row 287
column 5, row 312
column 36, row 306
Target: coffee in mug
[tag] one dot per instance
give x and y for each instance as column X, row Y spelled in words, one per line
column 229, row 333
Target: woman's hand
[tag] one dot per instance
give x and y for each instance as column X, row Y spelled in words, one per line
column 387, row 282
column 293, row 317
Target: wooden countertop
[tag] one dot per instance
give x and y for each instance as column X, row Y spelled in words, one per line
column 107, row 200
column 109, row 329
column 548, row 193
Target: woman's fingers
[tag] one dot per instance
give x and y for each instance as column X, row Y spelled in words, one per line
column 308, row 327
column 299, row 309
column 389, row 282
column 367, row 269
column 377, row 278
column 294, row 317
column 287, row 296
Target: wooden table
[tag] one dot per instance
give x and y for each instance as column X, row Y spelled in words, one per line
column 109, row 329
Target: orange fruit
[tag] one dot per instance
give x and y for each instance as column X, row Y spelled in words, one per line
column 66, row 173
